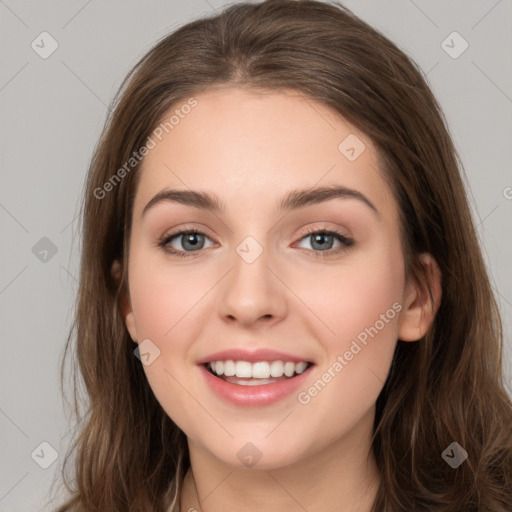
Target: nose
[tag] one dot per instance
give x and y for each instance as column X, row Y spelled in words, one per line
column 252, row 293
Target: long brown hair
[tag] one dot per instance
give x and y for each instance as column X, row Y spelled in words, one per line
column 447, row 387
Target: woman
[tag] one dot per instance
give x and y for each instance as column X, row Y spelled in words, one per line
column 230, row 367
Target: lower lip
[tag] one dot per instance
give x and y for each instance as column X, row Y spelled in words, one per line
column 254, row 396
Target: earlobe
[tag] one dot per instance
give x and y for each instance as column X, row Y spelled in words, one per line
column 129, row 320
column 422, row 301
column 124, row 304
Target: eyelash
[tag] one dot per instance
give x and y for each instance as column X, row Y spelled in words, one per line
column 345, row 241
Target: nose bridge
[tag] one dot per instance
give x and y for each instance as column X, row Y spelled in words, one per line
column 251, row 290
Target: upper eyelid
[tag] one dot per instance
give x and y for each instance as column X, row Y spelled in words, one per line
column 309, row 231
column 345, row 242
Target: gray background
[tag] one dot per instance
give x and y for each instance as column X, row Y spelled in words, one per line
column 52, row 113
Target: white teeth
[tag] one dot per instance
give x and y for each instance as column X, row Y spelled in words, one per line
column 289, row 368
column 242, row 369
column 300, row 367
column 256, row 382
column 261, row 370
column 229, row 368
column 276, row 369
column 258, row 370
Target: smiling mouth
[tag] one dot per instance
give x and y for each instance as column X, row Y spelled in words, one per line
column 298, row 369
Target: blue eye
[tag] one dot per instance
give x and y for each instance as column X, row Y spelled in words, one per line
column 194, row 240
column 190, row 239
column 324, row 238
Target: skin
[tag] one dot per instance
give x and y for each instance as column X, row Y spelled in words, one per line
column 250, row 148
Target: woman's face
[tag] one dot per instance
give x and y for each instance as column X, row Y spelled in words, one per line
column 254, row 278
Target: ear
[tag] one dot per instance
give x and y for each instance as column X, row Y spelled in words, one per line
column 125, row 304
column 422, row 300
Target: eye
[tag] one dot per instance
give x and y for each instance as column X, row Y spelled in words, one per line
column 323, row 239
column 190, row 239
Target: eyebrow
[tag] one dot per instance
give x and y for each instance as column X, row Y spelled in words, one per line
column 293, row 200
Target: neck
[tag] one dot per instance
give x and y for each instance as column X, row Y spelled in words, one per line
column 343, row 477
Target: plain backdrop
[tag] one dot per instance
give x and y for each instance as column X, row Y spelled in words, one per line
column 53, row 109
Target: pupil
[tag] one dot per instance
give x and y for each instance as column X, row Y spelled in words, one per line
column 319, row 239
column 191, row 240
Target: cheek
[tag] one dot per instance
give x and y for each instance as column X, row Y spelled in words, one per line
column 164, row 297
column 352, row 297
column 361, row 310
column 165, row 303
column 359, row 307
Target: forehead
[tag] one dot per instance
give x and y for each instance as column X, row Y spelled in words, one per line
column 250, row 147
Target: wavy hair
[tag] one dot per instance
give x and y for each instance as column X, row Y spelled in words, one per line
column 446, row 387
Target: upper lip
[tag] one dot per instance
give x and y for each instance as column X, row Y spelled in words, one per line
column 253, row 356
